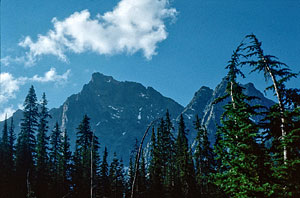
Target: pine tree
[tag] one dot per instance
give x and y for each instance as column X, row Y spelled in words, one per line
column 116, row 177
column 239, row 150
column 11, row 160
column 184, row 162
column 279, row 74
column 54, row 154
column 156, row 188
column 280, row 123
column 168, row 155
column 42, row 160
column 142, row 180
column 26, row 143
column 12, row 138
column 64, row 165
column 86, row 143
column 5, row 169
column 131, row 171
column 204, row 159
column 104, row 187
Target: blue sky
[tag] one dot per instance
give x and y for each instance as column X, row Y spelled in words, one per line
column 174, row 46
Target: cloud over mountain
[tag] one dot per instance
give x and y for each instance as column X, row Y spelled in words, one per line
column 10, row 85
column 130, row 27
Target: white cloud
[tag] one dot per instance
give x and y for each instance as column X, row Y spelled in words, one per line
column 52, row 76
column 10, row 85
column 7, row 112
column 7, row 60
column 133, row 25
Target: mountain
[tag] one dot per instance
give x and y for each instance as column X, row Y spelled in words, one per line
column 210, row 113
column 121, row 111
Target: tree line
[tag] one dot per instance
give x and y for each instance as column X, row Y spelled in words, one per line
column 248, row 158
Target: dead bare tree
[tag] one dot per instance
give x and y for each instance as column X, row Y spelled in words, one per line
column 138, row 158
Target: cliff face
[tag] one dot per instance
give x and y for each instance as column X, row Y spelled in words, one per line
column 203, row 105
column 121, row 111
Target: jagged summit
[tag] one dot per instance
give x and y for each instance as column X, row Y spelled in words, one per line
column 120, row 111
column 202, row 104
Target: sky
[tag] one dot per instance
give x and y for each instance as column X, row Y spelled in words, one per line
column 174, row 46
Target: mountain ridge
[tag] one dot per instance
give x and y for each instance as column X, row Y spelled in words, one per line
column 120, row 111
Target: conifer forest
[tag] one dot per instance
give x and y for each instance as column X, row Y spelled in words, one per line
column 247, row 159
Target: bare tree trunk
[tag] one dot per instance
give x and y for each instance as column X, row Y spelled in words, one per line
column 231, row 95
column 281, row 110
column 138, row 159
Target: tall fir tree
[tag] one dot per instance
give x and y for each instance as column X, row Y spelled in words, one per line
column 142, row 178
column 184, row 162
column 42, row 159
column 5, row 158
column 64, row 165
column 104, row 184
column 54, row 155
column 12, row 138
column 238, row 149
column 132, row 170
column 155, row 173
column 170, row 152
column 281, row 120
column 204, row 159
column 278, row 72
column 87, row 146
column 26, row 144
column 116, row 177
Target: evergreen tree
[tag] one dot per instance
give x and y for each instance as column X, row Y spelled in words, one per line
column 184, row 163
column 87, row 146
column 131, row 171
column 7, row 164
column 168, row 156
column 280, row 124
column 64, row 165
column 26, row 143
column 5, row 168
column 156, row 188
column 104, row 187
column 54, row 154
column 42, row 160
column 12, row 138
column 279, row 73
column 204, row 159
column 116, row 177
column 238, row 150
column 142, row 180
column 11, row 160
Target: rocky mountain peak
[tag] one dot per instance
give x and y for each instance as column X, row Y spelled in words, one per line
column 121, row 111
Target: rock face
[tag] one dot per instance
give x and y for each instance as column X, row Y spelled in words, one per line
column 210, row 113
column 121, row 111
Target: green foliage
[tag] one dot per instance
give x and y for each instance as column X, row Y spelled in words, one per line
column 64, row 165
column 104, row 183
column 87, row 146
column 42, row 161
column 184, row 163
column 155, row 173
column 116, row 177
column 204, row 160
column 5, row 162
column 250, row 158
column 26, row 143
column 54, row 157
